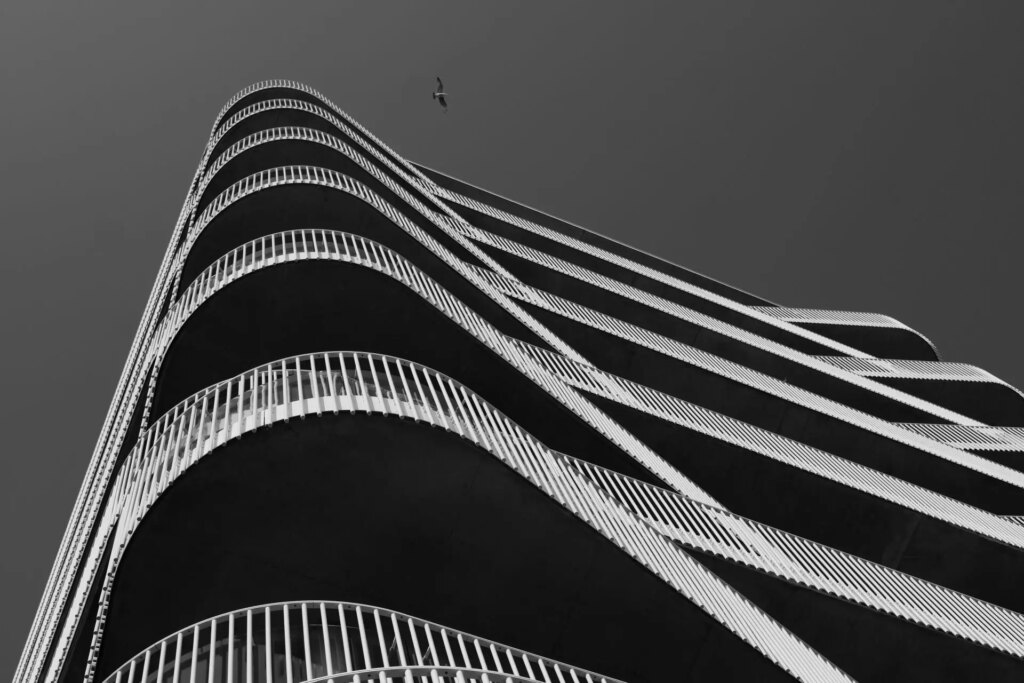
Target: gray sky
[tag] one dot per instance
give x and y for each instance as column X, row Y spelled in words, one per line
column 850, row 155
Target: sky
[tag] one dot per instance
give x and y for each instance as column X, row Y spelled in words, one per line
column 847, row 155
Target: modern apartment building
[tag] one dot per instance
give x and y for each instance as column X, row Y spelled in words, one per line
column 380, row 424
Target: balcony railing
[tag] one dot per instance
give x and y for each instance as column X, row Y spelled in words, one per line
column 323, row 383
column 638, row 517
column 307, row 642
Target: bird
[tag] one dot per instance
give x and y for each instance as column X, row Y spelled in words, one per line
column 440, row 94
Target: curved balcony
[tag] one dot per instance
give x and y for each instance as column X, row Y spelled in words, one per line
column 368, row 561
column 741, row 344
column 262, row 95
column 978, row 438
column 730, row 433
column 281, row 196
column 707, row 331
column 464, row 194
column 643, row 277
column 272, row 113
column 623, row 510
column 323, row 281
column 896, row 523
column 363, row 136
column 305, row 246
column 320, row 640
column 877, row 334
column 964, row 388
column 680, row 370
column 579, row 487
column 413, row 179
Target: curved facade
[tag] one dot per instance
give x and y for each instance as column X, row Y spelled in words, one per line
column 358, row 381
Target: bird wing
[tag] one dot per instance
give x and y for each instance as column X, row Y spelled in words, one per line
column 440, row 85
column 442, row 101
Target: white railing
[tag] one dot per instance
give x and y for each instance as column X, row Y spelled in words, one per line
column 752, row 378
column 301, row 642
column 612, row 503
column 687, row 576
column 320, row 244
column 337, row 246
column 676, row 283
column 779, row 448
column 334, row 382
column 981, row 438
column 337, row 181
column 913, row 369
column 847, row 369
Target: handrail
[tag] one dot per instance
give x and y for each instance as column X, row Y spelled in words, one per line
column 779, row 448
column 980, row 438
column 336, row 641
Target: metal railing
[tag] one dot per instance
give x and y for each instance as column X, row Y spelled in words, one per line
column 307, row 641
column 302, row 245
column 319, row 176
column 749, row 377
column 313, row 244
column 776, row 447
column 621, row 508
column 333, row 382
column 847, row 369
column 854, row 370
column 675, row 283
column 980, row 438
column 914, row 369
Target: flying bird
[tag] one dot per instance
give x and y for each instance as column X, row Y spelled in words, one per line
column 440, row 94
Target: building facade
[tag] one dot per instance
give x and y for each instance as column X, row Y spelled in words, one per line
column 380, row 424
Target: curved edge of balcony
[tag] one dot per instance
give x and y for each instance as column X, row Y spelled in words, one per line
column 344, row 384
column 318, row 288
column 348, row 641
column 320, row 384
column 829, row 322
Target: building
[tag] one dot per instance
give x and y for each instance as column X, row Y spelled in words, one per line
column 371, row 410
